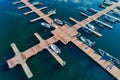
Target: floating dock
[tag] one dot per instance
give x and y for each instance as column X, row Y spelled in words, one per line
column 94, row 32
column 92, row 54
column 26, row 13
column 107, row 15
column 108, row 26
column 22, row 63
column 65, row 34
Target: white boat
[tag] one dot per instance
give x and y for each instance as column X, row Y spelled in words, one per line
column 36, row 3
column 87, row 41
column 52, row 11
column 46, row 25
column 102, row 5
column 55, row 48
column 86, row 30
column 66, row 22
column 90, row 26
column 58, row 21
column 116, row 12
column 107, row 2
column 118, row 7
column 110, row 19
column 99, row 24
column 108, row 57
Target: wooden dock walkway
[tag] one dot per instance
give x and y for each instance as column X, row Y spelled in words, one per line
column 18, row 2
column 62, row 63
column 22, row 7
column 94, row 32
column 93, row 55
column 23, row 63
column 65, row 34
column 43, row 17
column 21, row 57
column 97, row 15
column 105, row 24
column 37, row 11
column 107, row 15
column 26, row 13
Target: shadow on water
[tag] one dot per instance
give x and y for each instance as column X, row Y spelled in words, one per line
column 4, row 68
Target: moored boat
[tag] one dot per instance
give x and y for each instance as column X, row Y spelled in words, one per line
column 107, row 2
column 85, row 10
column 85, row 30
column 90, row 26
column 66, row 22
column 55, row 48
column 58, row 21
column 92, row 10
column 110, row 19
column 102, row 5
column 99, row 24
column 36, row 3
column 118, row 7
column 87, row 41
column 116, row 12
column 108, row 57
column 46, row 25
column 51, row 11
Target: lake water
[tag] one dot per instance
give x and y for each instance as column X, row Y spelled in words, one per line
column 15, row 27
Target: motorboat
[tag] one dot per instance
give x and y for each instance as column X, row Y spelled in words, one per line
column 116, row 12
column 90, row 26
column 102, row 5
column 108, row 57
column 118, row 7
column 107, row 2
column 84, row 10
column 52, row 11
column 92, row 10
column 87, row 41
column 58, row 21
column 46, row 25
column 66, row 22
column 36, row 3
column 110, row 19
column 99, row 24
column 86, row 30
column 55, row 48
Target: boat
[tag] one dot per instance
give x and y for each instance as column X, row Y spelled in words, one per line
column 51, row 11
column 108, row 57
column 107, row 2
column 58, row 21
column 112, row 20
column 87, row 41
column 118, row 7
column 55, row 48
column 116, row 12
column 66, row 22
column 90, row 26
column 85, row 30
column 102, row 5
column 92, row 10
column 84, row 10
column 36, row 3
column 46, row 25
column 99, row 24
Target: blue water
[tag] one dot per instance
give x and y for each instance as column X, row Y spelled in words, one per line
column 15, row 27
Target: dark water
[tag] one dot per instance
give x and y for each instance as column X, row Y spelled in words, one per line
column 15, row 27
